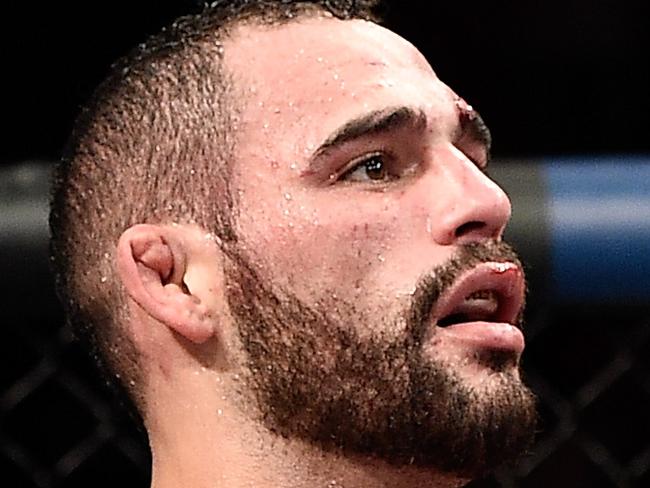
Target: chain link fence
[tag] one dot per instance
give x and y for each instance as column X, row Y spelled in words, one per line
column 59, row 427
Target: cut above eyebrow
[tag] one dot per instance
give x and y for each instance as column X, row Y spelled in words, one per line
column 373, row 123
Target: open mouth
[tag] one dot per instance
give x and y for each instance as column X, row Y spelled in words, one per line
column 478, row 306
column 490, row 292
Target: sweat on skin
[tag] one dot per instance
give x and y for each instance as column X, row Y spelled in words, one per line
column 248, row 349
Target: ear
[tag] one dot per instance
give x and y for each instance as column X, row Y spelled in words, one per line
column 152, row 262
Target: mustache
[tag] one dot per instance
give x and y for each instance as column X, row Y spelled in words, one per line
column 433, row 284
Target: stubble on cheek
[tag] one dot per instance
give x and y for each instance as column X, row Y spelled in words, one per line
column 301, row 356
column 316, row 378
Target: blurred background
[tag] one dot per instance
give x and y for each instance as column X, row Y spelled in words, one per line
column 565, row 89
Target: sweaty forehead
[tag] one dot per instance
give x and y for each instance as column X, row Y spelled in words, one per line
column 321, row 39
column 319, row 53
column 306, row 77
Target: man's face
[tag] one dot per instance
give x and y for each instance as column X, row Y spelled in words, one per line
column 365, row 221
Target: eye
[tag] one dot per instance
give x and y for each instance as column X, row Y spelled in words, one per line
column 373, row 167
column 481, row 160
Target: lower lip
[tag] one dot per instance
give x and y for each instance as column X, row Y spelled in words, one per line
column 485, row 335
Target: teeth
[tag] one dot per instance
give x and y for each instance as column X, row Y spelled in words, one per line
column 478, row 308
column 482, row 294
column 480, row 305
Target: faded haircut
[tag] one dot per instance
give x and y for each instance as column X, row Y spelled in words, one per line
column 153, row 145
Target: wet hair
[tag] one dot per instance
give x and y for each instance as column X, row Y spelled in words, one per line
column 153, row 146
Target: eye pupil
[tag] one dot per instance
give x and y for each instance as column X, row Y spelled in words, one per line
column 375, row 168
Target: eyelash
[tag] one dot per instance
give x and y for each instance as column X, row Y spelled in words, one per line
column 484, row 166
column 362, row 161
column 388, row 161
column 481, row 163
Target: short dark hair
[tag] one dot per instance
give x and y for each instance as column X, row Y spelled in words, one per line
column 153, row 145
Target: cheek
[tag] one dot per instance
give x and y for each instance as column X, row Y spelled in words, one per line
column 368, row 247
column 325, row 245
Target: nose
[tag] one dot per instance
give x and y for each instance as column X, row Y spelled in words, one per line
column 473, row 206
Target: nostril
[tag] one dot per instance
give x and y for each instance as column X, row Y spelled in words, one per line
column 469, row 227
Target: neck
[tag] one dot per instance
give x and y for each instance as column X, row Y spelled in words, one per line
column 233, row 452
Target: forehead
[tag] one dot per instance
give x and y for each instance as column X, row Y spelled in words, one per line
column 307, row 77
column 334, row 42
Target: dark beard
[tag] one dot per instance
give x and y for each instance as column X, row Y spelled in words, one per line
column 314, row 378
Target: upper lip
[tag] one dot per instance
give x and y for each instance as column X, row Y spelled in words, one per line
column 504, row 279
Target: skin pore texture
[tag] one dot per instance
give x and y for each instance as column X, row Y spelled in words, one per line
column 305, row 354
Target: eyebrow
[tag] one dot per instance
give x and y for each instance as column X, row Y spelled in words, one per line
column 472, row 125
column 373, row 123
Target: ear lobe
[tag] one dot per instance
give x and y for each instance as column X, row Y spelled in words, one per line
column 151, row 263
